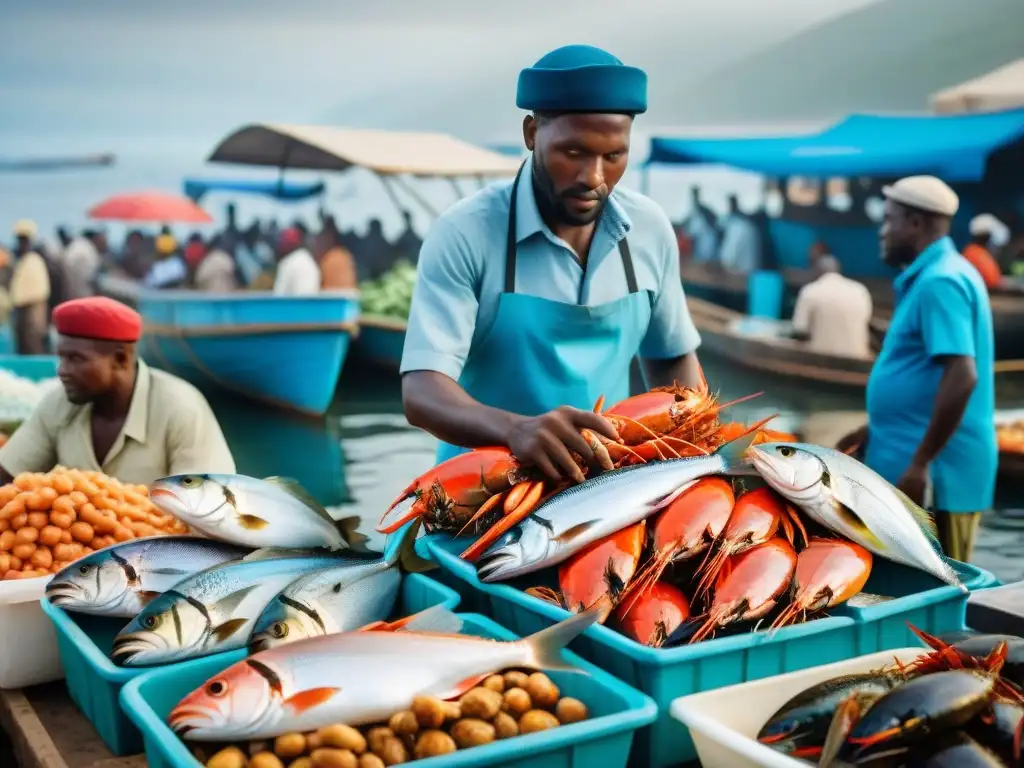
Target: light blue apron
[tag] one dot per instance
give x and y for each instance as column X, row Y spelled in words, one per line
column 541, row 354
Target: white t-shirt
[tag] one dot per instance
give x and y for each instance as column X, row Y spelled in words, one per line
column 80, row 262
column 835, row 311
column 297, row 275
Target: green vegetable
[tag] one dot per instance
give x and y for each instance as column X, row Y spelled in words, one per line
column 390, row 295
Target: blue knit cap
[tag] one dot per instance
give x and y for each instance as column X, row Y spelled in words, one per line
column 582, row 78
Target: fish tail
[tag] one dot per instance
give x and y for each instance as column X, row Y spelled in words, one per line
column 545, row 647
column 735, row 450
column 347, row 528
column 405, row 554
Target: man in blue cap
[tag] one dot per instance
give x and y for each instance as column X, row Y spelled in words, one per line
column 533, row 297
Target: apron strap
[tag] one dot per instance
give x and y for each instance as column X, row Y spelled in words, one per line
column 510, row 245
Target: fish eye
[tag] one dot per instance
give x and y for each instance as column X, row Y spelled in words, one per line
column 150, row 622
column 190, row 481
column 279, row 630
column 217, row 688
column 786, row 451
column 84, row 570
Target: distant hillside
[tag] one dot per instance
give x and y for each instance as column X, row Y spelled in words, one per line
column 889, row 56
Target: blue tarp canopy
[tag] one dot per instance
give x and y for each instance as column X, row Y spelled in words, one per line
column 196, row 188
column 955, row 148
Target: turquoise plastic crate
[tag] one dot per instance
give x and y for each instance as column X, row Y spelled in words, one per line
column 663, row 674
column 604, row 740
column 920, row 599
column 94, row 682
column 32, row 367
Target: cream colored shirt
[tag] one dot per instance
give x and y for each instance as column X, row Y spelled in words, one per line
column 170, row 430
column 297, row 275
column 216, row 273
column 835, row 311
column 30, row 281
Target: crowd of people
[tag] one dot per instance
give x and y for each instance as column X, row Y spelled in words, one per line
column 37, row 275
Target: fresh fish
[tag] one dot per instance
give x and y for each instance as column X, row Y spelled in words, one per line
column 359, row 677
column 275, row 512
column 354, row 593
column 120, row 580
column 599, row 507
column 213, row 610
column 867, row 599
column 846, row 497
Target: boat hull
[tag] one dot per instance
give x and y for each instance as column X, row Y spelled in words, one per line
column 282, row 350
column 380, row 342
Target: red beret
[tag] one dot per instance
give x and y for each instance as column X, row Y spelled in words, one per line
column 97, row 317
column 290, row 239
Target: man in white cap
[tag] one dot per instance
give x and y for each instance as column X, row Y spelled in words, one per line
column 29, row 292
column 931, row 395
column 978, row 252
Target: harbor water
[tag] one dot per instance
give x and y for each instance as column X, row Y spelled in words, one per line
column 359, row 457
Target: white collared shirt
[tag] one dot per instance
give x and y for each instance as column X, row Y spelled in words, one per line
column 835, row 311
column 297, row 274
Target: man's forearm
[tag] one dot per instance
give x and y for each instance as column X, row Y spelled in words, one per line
column 436, row 403
column 958, row 381
column 663, row 373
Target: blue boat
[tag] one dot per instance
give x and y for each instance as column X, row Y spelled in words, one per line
column 282, row 350
column 31, row 367
column 281, row 190
column 979, row 155
column 380, row 341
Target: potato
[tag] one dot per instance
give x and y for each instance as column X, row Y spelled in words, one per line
column 313, row 741
column 543, row 692
column 404, row 723
column 471, row 732
column 302, row 762
column 82, row 532
column 38, row 520
column 429, row 711
column 290, row 745
column 328, row 757
column 265, row 760
column 370, row 760
column 19, row 521
column 26, row 535
column 393, row 752
column 23, row 551
column 505, row 726
column 376, row 737
column 452, row 710
column 7, row 540
column 495, row 683
column 516, row 702
column 342, row 737
column 537, row 720
column 516, row 679
column 229, row 757
column 42, row 558
column 50, row 535
column 481, row 703
column 570, row 710
column 432, row 744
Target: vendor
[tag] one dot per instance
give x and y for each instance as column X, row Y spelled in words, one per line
column 931, row 394
column 533, row 297
column 114, row 414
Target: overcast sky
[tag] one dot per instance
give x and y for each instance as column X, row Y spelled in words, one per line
column 85, row 73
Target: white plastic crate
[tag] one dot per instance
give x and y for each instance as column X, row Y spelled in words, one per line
column 28, row 643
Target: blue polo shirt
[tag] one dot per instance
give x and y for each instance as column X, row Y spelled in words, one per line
column 942, row 308
column 461, row 273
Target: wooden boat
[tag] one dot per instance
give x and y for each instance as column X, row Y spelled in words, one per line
column 733, row 336
column 22, row 165
column 380, row 341
column 282, row 350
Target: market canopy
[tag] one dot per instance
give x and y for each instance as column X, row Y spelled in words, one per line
column 327, row 148
column 196, row 189
column 956, row 148
column 1001, row 88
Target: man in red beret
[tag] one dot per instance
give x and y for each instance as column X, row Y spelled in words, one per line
column 113, row 413
column 297, row 270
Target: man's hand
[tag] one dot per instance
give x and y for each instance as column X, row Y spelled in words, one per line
column 914, row 483
column 548, row 441
column 853, row 441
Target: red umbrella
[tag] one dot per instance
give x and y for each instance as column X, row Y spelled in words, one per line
column 160, row 207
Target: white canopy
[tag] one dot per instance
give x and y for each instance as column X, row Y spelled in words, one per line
column 1002, row 88
column 327, row 148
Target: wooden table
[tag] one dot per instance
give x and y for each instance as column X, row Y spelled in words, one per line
column 45, row 730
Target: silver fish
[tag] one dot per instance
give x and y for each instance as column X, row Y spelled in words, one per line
column 213, row 610
column 120, row 580
column 359, row 677
column 275, row 512
column 845, row 496
column 353, row 594
column 599, row 507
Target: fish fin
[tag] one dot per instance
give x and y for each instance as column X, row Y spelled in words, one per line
column 735, row 450
column 252, row 522
column 568, row 535
column 462, row 687
column 227, row 604
column 228, row 628
column 437, row 620
column 864, row 599
column 405, row 553
column 147, row 596
column 347, row 527
column 546, row 646
column 920, row 514
column 857, row 522
column 305, row 700
column 845, row 717
column 270, row 553
column 292, row 487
